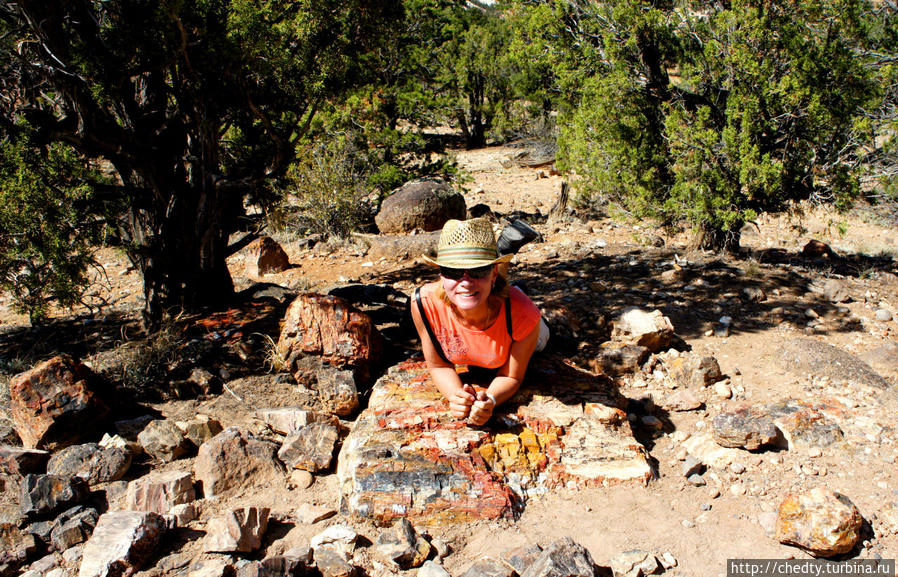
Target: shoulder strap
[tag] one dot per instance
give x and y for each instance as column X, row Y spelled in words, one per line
column 508, row 317
column 433, row 338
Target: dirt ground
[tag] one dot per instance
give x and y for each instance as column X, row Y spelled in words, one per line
column 593, row 268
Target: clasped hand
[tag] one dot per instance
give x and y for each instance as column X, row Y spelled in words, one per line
column 476, row 406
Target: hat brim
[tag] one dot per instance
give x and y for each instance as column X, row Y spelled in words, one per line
column 465, row 263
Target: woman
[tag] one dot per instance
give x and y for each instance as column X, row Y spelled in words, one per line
column 470, row 316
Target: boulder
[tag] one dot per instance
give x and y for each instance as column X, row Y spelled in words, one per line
column 54, row 403
column 163, row 440
column 816, row 249
column 235, row 459
column 424, row 204
column 265, row 256
column 121, row 542
column 159, row 491
column 310, row 448
column 237, row 531
column 744, row 427
column 43, row 495
column 91, row 462
column 330, row 328
column 403, row 546
column 823, row 522
column 635, row 326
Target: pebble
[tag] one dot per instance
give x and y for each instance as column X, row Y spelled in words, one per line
column 300, row 479
column 668, row 561
column 883, row 315
column 737, row 468
column 697, row 480
column 815, row 452
column 705, row 506
column 687, row 523
column 737, row 489
column 714, row 493
column 723, row 390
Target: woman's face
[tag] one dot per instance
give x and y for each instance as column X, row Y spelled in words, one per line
column 466, row 291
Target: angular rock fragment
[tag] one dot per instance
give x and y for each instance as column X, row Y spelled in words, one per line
column 288, row 419
column 403, row 546
column 90, row 462
column 691, row 370
column 71, row 530
column 745, row 428
column 159, row 491
column 823, row 522
column 646, row 329
column 20, row 461
column 237, row 531
column 121, row 542
column 310, row 514
column 163, row 440
column 523, row 557
column 235, row 459
column 217, row 567
column 337, row 391
column 836, row 291
column 332, row 564
column 330, row 328
column 489, row 567
column 432, row 569
column 803, row 424
column 265, row 256
column 634, row 563
column 562, row 557
column 44, row 495
column 16, row 546
column 682, row 401
column 337, row 537
column 200, row 429
column 311, row 448
column 54, row 403
column 616, row 360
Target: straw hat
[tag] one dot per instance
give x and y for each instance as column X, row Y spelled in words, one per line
column 467, row 244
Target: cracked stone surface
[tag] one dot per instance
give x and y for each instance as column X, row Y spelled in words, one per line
column 406, row 456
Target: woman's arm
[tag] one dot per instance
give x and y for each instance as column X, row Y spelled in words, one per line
column 508, row 380
column 460, row 396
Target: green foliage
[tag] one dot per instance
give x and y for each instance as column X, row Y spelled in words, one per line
column 48, row 224
column 709, row 112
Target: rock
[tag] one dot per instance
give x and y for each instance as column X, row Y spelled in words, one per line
column 647, row 329
column 816, row 249
column 90, row 462
column 432, row 569
column 210, row 568
column 820, row 521
column 836, row 291
column 563, row 557
column 691, row 370
column 284, row 421
column 330, row 328
column 331, row 564
column 406, row 456
column 338, row 537
column 200, row 429
column 883, row 315
column 72, row 530
column 20, row 461
column 235, row 459
column 696, row 480
column 121, row 542
column 767, row 521
column 523, row 557
column 163, row 440
column 704, row 447
column 300, row 479
column 803, row 424
column 310, row 448
column 745, row 427
column 54, row 403
column 403, row 546
column 819, row 359
column 310, row 514
column 181, row 515
column 130, row 428
column 265, row 256
column 884, row 360
column 634, row 563
column 159, row 491
column 616, row 360
column 8, row 435
column 337, row 391
column 691, row 466
column 16, row 546
column 681, row 401
column 237, row 531
column 753, row 294
column 489, row 567
column 44, row 495
column 421, row 204
column 723, row 390
column 401, row 246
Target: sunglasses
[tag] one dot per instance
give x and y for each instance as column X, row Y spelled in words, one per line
column 458, row 273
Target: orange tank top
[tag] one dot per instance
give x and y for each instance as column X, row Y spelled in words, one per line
column 488, row 348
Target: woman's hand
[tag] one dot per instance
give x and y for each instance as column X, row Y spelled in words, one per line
column 461, row 401
column 482, row 409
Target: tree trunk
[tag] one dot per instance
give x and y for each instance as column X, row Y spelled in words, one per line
column 708, row 237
